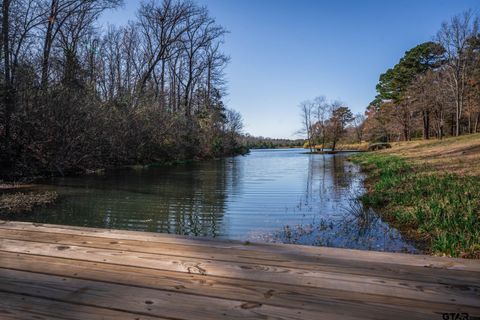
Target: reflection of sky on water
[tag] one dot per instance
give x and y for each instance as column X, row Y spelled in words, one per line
column 269, row 195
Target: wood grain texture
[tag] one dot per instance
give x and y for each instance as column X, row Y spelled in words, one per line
column 293, row 260
column 260, row 248
column 310, row 298
column 47, row 270
column 21, row 307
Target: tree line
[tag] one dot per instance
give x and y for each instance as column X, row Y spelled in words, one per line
column 434, row 90
column 251, row 142
column 77, row 96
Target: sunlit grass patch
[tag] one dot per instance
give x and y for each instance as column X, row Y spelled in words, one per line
column 460, row 155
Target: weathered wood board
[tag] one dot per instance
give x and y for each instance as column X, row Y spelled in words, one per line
column 62, row 272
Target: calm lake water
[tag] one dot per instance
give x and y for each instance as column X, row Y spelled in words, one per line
column 269, row 195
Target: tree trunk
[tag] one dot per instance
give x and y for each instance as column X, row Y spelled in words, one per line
column 162, row 86
column 426, row 124
column 173, row 92
column 310, row 143
column 209, row 86
column 323, row 139
column 8, row 94
column 179, row 90
column 475, row 129
column 469, row 123
column 441, row 127
column 453, row 125
column 405, row 133
column 457, row 114
column 186, row 99
column 47, row 45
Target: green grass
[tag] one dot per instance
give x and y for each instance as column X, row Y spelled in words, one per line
column 440, row 210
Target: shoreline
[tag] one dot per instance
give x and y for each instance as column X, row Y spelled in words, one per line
column 335, row 152
column 431, row 199
column 30, row 181
column 16, row 196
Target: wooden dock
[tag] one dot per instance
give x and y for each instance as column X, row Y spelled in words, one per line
column 61, row 272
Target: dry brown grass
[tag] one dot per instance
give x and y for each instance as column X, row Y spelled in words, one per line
column 24, row 202
column 363, row 146
column 7, row 186
column 459, row 155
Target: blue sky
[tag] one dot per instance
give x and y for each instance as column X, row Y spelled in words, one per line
column 286, row 51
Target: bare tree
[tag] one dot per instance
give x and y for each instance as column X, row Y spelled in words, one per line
column 147, row 91
column 215, row 64
column 321, row 107
column 358, row 122
column 454, row 37
column 306, row 113
column 59, row 13
column 201, row 32
column 162, row 27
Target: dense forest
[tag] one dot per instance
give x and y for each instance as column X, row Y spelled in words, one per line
column 433, row 91
column 78, row 96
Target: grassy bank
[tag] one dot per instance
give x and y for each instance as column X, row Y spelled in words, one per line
column 429, row 192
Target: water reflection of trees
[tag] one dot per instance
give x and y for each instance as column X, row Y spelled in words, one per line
column 186, row 199
column 196, row 199
column 333, row 186
column 192, row 199
column 328, row 175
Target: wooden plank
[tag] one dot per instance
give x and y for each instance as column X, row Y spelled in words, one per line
column 160, row 303
column 308, row 298
column 185, row 278
column 433, row 292
column 324, row 252
column 21, row 307
column 459, row 278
